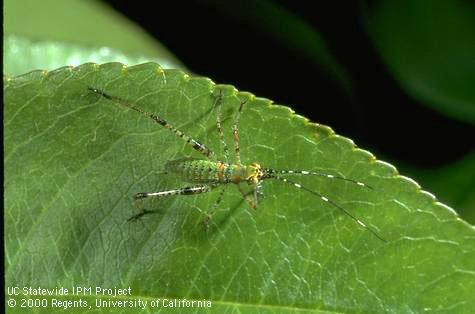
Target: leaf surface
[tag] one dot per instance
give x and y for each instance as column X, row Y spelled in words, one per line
column 73, row 161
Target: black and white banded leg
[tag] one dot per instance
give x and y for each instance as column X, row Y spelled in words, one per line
column 190, row 190
column 201, row 148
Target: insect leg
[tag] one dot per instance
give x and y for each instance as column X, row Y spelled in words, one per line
column 323, row 198
column 211, row 213
column 219, row 104
column 190, row 190
column 252, row 202
column 201, row 148
column 236, row 132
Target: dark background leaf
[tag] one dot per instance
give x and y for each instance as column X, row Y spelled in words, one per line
column 429, row 47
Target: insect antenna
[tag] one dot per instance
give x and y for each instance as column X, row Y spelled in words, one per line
column 323, row 198
column 320, row 174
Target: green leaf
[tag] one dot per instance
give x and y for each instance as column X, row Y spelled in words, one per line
column 84, row 23
column 22, row 55
column 73, row 161
column 429, row 46
column 38, row 37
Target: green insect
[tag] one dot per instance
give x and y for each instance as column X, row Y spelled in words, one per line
column 209, row 173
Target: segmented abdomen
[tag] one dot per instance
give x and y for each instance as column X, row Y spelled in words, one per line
column 204, row 171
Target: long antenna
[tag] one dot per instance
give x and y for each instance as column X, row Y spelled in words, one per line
column 323, row 198
column 273, row 172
